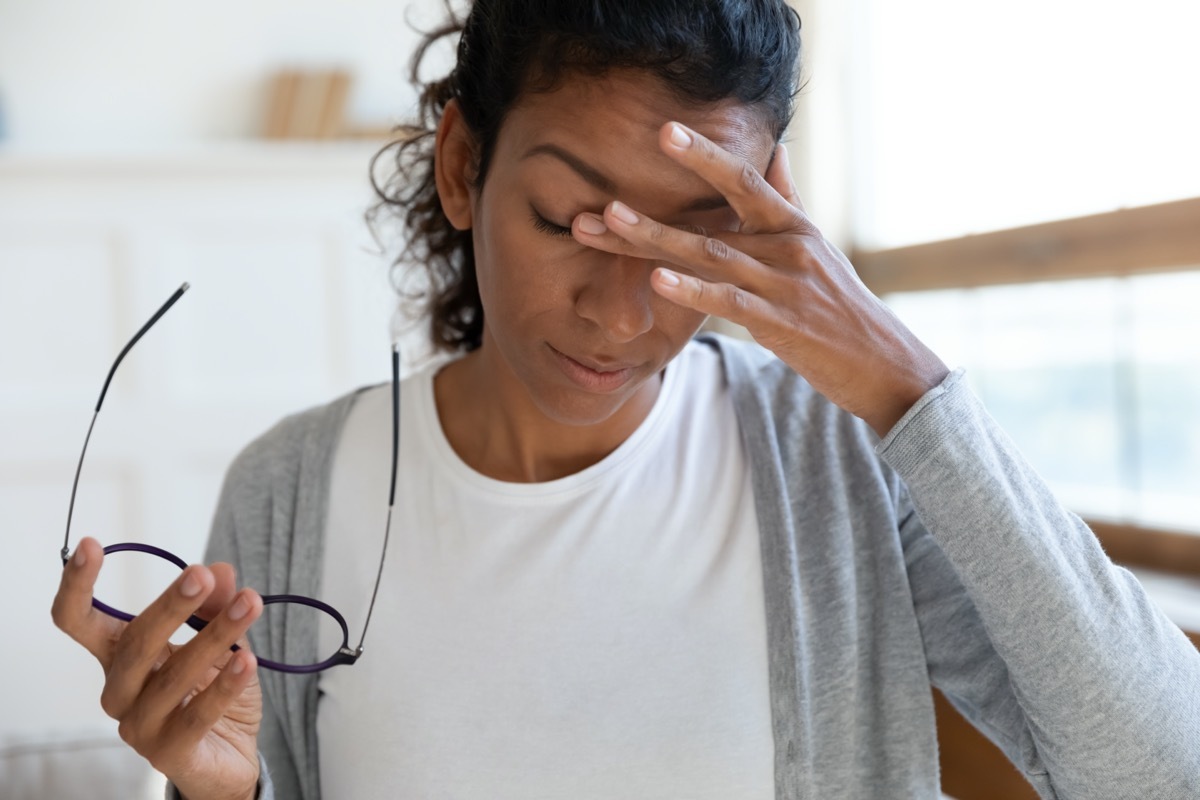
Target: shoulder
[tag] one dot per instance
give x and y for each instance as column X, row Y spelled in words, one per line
column 275, row 481
column 740, row 357
column 786, row 422
column 285, row 452
column 764, row 386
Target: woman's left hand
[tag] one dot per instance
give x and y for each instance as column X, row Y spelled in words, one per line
column 779, row 277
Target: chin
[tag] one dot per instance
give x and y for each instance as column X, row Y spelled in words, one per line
column 576, row 407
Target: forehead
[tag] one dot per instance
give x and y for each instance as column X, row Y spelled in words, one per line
column 612, row 122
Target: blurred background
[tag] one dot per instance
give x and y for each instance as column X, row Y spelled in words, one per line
column 1020, row 183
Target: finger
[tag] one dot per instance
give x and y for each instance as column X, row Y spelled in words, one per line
column 143, row 644
column 758, row 205
column 769, row 250
column 192, row 722
column 224, row 588
column 711, row 257
column 715, row 299
column 72, row 610
column 779, row 176
column 189, row 666
column 591, row 230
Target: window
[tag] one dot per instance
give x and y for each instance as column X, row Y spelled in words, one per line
column 972, row 117
column 969, row 119
column 1097, row 380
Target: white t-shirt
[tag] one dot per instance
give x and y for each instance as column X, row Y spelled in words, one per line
column 602, row 635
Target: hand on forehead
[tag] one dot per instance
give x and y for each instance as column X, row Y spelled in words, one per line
column 600, row 137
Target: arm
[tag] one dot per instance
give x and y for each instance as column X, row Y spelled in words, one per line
column 1051, row 650
column 1104, row 684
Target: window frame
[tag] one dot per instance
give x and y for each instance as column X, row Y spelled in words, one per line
column 1143, row 240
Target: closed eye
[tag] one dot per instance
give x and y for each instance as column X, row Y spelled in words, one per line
column 546, row 226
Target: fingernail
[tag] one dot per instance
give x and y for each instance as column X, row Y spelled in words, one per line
column 240, row 608
column 238, row 666
column 624, row 213
column 80, row 557
column 191, row 585
column 667, row 277
column 590, row 223
column 680, row 137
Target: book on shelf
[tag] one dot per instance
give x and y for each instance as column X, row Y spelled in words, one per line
column 307, row 104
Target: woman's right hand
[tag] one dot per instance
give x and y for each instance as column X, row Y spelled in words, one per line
column 192, row 710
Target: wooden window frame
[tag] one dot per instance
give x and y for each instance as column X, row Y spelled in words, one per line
column 1133, row 241
column 1150, row 239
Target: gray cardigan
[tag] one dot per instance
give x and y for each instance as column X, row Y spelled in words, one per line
column 936, row 556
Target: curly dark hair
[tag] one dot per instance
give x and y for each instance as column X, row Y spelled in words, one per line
column 702, row 50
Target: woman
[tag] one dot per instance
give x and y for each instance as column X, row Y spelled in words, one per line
column 630, row 562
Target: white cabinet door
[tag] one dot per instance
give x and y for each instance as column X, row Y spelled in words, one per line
column 290, row 306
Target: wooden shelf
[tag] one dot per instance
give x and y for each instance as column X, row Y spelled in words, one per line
column 247, row 158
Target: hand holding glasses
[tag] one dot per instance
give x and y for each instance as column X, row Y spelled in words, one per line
column 344, row 654
column 192, row 710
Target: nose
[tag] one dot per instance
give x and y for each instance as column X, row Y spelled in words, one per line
column 617, row 297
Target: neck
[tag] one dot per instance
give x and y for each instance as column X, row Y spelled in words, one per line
column 508, row 437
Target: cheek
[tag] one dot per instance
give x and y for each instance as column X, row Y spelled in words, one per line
column 676, row 323
column 514, row 270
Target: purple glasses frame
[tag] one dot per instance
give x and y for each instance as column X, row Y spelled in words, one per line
column 345, row 654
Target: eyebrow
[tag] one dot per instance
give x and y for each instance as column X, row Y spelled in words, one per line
column 606, row 184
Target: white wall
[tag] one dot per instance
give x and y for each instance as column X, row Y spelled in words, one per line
column 128, row 168
column 977, row 117
column 289, row 307
column 120, row 74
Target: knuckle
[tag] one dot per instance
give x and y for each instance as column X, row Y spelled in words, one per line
column 131, row 645
column 109, row 704
column 797, row 254
column 130, row 731
column 799, row 221
column 748, row 178
column 715, row 249
column 192, row 717
column 657, row 233
column 794, row 321
column 168, row 678
column 736, row 299
column 124, row 660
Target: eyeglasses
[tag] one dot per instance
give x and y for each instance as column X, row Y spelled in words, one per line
column 345, row 654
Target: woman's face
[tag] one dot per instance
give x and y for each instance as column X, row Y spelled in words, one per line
column 580, row 329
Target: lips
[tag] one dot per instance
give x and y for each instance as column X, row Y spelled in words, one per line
column 594, row 374
column 600, row 365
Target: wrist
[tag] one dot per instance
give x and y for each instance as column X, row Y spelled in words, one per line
column 903, row 395
column 252, row 794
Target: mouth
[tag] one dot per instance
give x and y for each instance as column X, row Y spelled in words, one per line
column 594, row 375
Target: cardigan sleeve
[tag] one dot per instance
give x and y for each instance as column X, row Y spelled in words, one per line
column 244, row 510
column 1030, row 630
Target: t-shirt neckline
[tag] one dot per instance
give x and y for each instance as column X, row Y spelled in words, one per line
column 443, row 457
